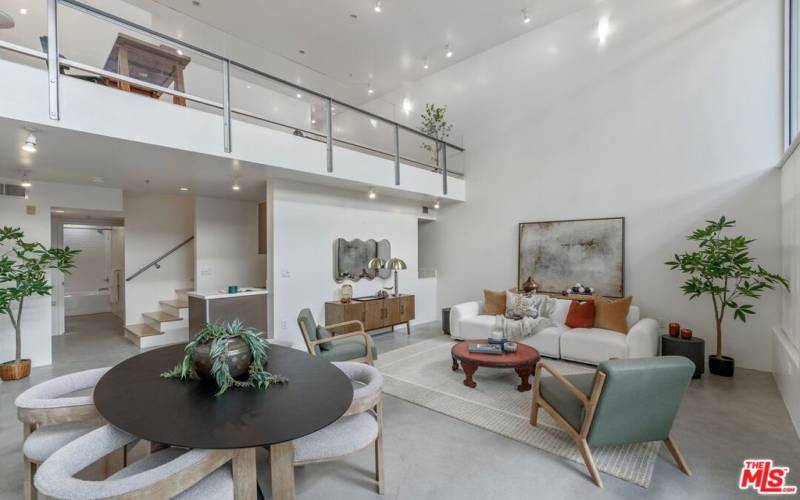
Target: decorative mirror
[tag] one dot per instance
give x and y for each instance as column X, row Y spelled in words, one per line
column 351, row 258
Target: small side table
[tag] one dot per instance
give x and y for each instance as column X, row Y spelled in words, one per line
column 446, row 320
column 693, row 348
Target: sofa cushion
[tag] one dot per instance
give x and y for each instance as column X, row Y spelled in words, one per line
column 548, row 341
column 593, row 345
column 563, row 401
column 494, row 302
column 581, row 314
column 476, row 327
column 560, row 310
column 612, row 314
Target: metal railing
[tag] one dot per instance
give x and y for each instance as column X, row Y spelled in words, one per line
column 157, row 262
column 55, row 62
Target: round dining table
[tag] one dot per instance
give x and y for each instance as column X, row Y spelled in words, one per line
column 134, row 398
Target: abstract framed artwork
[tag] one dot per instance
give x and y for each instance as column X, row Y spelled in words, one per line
column 559, row 254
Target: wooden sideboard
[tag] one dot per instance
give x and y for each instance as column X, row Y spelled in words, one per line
column 374, row 313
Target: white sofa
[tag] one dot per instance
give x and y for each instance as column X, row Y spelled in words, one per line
column 585, row 345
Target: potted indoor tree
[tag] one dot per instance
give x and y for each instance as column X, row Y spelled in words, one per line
column 723, row 269
column 434, row 124
column 222, row 354
column 23, row 273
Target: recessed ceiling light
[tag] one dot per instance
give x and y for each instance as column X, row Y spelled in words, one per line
column 180, row 52
column 603, row 29
column 183, row 188
column 448, row 51
column 372, row 194
column 26, row 183
column 425, row 64
column 236, row 186
column 30, row 143
column 370, row 91
column 526, row 18
column 436, row 205
column 373, row 122
column 378, row 6
column 23, row 11
column 313, row 121
column 408, row 106
column 299, row 95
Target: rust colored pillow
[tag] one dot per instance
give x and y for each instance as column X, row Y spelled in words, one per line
column 612, row 314
column 494, row 302
column 580, row 314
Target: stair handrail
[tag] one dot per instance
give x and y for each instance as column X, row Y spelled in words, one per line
column 156, row 262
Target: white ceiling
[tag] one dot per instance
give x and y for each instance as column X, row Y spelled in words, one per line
column 386, row 49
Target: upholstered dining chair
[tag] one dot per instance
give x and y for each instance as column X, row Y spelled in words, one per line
column 360, row 426
column 167, row 473
column 52, row 415
column 354, row 346
column 626, row 401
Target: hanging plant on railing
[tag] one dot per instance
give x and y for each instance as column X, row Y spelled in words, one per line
column 434, row 125
column 223, row 354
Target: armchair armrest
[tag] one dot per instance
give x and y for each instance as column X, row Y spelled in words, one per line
column 642, row 339
column 461, row 312
column 346, row 323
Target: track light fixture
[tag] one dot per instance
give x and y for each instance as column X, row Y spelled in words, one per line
column 30, row 143
column 378, row 6
column 436, row 205
column 372, row 194
column 448, row 51
column 526, row 18
column 425, row 64
column 26, row 183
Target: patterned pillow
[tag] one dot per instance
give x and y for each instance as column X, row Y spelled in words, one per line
column 520, row 306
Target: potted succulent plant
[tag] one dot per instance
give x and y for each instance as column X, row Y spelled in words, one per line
column 223, row 354
column 23, row 273
column 434, row 125
column 722, row 268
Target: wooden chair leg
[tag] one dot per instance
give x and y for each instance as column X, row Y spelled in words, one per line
column 676, row 455
column 28, row 489
column 583, row 447
column 537, row 374
column 535, row 410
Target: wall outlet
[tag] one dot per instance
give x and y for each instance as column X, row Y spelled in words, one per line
column 283, row 324
column 206, row 272
column 285, row 273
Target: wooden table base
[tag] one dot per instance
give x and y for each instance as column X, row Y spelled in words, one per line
column 470, row 369
column 281, row 460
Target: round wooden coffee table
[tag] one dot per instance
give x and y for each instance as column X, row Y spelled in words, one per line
column 523, row 361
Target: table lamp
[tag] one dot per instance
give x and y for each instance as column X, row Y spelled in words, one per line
column 376, row 264
column 395, row 265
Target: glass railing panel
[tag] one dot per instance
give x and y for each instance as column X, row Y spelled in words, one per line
column 260, row 100
column 90, row 40
column 362, row 132
column 455, row 161
column 418, row 150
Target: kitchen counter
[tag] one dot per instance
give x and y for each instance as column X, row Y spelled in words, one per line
column 219, row 294
column 248, row 305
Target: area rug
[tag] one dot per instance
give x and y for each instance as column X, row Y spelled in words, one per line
column 421, row 374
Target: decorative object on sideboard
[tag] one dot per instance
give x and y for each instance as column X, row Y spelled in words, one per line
column 578, row 289
column 530, row 286
column 24, row 272
column 395, row 264
column 346, row 293
column 686, row 333
column 560, row 253
column 723, row 268
column 222, row 354
column 674, row 329
column 351, row 259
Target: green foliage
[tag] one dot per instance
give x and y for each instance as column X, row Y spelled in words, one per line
column 434, row 125
column 23, row 273
column 217, row 335
column 723, row 268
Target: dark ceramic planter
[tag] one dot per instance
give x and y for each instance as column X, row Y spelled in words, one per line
column 238, row 359
column 721, row 365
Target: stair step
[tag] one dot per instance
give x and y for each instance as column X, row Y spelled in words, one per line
column 161, row 316
column 141, row 330
column 175, row 303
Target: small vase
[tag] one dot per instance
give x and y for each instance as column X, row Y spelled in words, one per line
column 237, row 356
column 346, row 294
column 686, row 333
column 674, row 329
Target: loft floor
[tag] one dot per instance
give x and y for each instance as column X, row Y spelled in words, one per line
column 432, row 456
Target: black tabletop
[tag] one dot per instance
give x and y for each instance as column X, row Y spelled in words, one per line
column 133, row 397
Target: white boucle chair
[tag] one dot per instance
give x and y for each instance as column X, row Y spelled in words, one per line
column 51, row 418
column 168, row 473
column 359, row 427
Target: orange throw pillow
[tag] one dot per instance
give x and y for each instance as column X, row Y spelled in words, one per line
column 612, row 314
column 580, row 314
column 494, row 302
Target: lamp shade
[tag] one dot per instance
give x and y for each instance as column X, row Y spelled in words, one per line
column 396, row 264
column 376, row 263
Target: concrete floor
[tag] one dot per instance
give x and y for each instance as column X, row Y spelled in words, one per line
column 432, row 456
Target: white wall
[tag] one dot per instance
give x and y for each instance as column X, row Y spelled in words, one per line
column 153, row 225
column 226, row 244
column 37, row 314
column 677, row 119
column 306, row 220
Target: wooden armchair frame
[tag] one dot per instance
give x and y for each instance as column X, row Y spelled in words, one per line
column 311, row 344
column 590, row 405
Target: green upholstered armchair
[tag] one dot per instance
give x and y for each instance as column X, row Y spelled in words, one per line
column 354, row 346
column 625, row 401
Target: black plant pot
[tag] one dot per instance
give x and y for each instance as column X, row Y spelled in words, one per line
column 721, row 365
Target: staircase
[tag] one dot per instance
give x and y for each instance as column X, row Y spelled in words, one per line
column 168, row 325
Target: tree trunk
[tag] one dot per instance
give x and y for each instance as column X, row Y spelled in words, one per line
column 719, row 337
column 18, row 331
